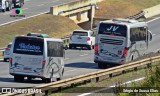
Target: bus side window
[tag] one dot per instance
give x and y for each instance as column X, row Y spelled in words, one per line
column 138, row 34
column 55, row 49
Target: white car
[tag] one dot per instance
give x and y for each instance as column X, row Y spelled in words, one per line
column 7, row 52
column 82, row 38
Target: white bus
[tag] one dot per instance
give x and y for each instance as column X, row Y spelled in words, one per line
column 120, row 40
column 36, row 57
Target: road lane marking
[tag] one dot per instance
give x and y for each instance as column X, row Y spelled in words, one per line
column 128, row 82
column 25, row 9
column 71, row 70
column 153, row 19
column 7, row 13
column 66, row 58
column 84, row 55
column 55, row 1
column 26, row 0
column 40, row 5
column 23, row 18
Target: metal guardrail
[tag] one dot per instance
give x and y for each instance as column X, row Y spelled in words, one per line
column 107, row 73
column 137, row 16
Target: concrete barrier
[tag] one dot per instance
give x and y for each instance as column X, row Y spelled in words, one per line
column 79, row 11
column 150, row 12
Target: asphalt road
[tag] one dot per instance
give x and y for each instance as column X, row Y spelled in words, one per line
column 77, row 62
column 31, row 8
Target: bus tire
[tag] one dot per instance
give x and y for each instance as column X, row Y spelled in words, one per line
column 3, row 10
column 58, row 79
column 70, row 46
column 46, row 80
column 89, row 47
column 101, row 65
column 18, row 78
column 29, row 78
column 5, row 59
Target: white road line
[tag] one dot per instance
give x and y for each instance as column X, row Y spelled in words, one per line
column 55, row 1
column 23, row 18
column 66, row 58
column 153, row 19
column 158, row 50
column 84, row 55
column 40, row 5
column 26, row 0
column 154, row 34
column 25, row 9
column 7, row 13
column 128, row 82
column 71, row 70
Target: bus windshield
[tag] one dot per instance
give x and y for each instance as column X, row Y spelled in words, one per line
column 30, row 46
column 112, row 29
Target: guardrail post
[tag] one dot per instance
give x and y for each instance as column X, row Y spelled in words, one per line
column 46, row 92
column 149, row 65
column 97, row 79
column 110, row 75
column 135, row 69
column 72, row 85
column 123, row 72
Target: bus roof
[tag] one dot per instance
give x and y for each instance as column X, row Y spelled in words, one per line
column 47, row 39
column 39, row 35
column 127, row 22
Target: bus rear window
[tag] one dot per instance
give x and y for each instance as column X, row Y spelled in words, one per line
column 29, row 46
column 112, row 29
column 79, row 33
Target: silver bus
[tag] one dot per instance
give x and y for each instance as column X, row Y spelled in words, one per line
column 120, row 40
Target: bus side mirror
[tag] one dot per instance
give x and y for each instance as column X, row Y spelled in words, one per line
column 150, row 35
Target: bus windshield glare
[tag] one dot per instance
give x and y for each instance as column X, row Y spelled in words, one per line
column 113, row 29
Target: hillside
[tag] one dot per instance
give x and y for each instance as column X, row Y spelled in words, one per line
column 123, row 8
column 55, row 26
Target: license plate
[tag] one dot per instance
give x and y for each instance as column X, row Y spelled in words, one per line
column 25, row 68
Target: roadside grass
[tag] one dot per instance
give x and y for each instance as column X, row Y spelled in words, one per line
column 1, row 56
column 82, row 88
column 55, row 26
column 123, row 8
column 152, row 81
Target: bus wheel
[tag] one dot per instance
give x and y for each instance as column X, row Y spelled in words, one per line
column 90, row 47
column 58, row 79
column 70, row 46
column 101, row 65
column 18, row 78
column 46, row 80
column 3, row 10
column 29, row 78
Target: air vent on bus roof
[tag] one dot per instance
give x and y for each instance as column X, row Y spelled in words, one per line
column 124, row 20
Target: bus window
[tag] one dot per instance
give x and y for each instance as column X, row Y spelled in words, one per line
column 138, row 34
column 29, row 46
column 113, row 29
column 55, row 49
